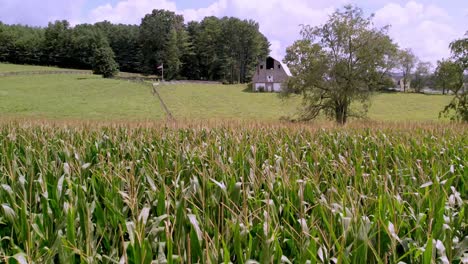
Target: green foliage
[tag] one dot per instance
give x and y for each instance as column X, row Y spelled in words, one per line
column 448, row 76
column 339, row 63
column 123, row 39
column 458, row 108
column 104, row 63
column 71, row 194
column 406, row 63
column 159, row 35
column 215, row 49
column 226, row 49
column 422, row 76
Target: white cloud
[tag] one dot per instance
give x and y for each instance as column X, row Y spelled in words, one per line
column 39, row 13
column 215, row 9
column 129, row 11
column 281, row 20
column 426, row 29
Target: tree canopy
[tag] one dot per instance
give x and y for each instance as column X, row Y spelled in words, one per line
column 221, row 49
column 338, row 63
column 458, row 107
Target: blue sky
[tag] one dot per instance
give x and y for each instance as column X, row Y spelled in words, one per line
column 425, row 26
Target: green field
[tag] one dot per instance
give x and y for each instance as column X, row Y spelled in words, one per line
column 4, row 67
column 195, row 101
column 198, row 101
column 233, row 194
column 76, row 97
column 85, row 97
column 86, row 179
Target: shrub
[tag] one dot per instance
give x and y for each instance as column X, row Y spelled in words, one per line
column 104, row 63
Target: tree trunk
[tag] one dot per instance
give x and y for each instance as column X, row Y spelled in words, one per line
column 341, row 113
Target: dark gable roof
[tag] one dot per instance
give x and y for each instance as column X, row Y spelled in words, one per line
column 278, row 72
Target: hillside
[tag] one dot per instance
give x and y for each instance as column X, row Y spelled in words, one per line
column 91, row 97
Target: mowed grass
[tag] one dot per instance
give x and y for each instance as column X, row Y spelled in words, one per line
column 233, row 194
column 6, row 67
column 407, row 107
column 76, row 97
column 91, row 97
column 196, row 101
column 208, row 101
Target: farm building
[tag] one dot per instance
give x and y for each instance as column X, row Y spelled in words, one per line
column 270, row 76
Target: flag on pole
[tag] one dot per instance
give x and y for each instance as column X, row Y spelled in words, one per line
column 162, row 70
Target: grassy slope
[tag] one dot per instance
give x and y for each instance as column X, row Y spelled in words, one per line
column 95, row 98
column 197, row 101
column 5, row 67
column 76, row 97
column 214, row 101
column 407, row 107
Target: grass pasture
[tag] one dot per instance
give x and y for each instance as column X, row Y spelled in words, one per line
column 240, row 194
column 6, row 67
column 195, row 101
column 82, row 97
column 86, row 97
column 201, row 101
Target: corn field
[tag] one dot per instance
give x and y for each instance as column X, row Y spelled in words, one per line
column 116, row 194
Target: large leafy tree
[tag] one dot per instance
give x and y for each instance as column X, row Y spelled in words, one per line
column 338, row 63
column 422, row 76
column 57, row 43
column 448, row 76
column 160, row 33
column 104, row 63
column 124, row 41
column 458, row 107
column 406, row 63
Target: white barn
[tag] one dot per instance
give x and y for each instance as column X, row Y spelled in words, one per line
column 270, row 76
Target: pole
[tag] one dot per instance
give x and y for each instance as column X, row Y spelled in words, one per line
column 162, row 72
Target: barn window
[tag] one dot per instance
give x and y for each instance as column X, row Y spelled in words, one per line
column 270, row 63
column 261, row 67
column 279, row 66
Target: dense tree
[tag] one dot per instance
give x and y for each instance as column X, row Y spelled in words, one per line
column 406, row 63
column 227, row 48
column 104, row 63
column 57, row 43
column 448, row 75
column 422, row 76
column 124, row 41
column 160, row 32
column 190, row 67
column 85, row 40
column 215, row 49
column 459, row 104
column 338, row 63
column 21, row 44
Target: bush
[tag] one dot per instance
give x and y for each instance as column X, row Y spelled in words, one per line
column 104, row 63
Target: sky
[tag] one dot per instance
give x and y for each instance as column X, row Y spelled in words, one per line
column 425, row 26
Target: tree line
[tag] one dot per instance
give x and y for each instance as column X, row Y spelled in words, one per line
column 218, row 49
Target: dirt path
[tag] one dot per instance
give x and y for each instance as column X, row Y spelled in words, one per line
column 156, row 93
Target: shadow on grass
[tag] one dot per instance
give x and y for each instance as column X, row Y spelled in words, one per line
column 248, row 90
